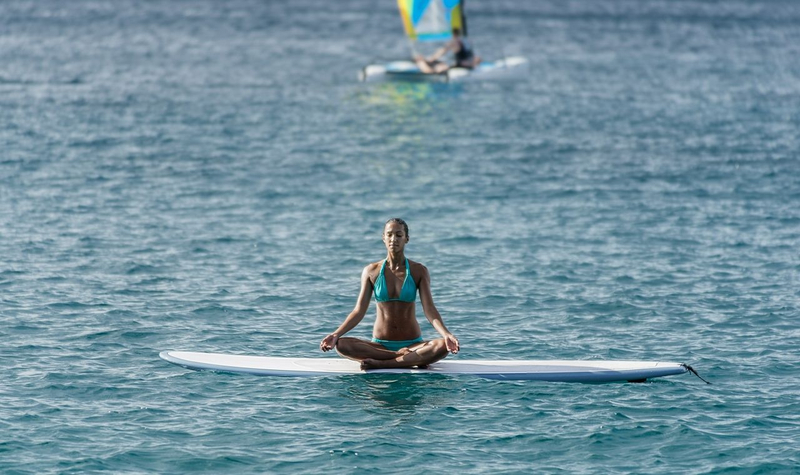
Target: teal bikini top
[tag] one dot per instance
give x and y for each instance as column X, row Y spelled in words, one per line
column 408, row 293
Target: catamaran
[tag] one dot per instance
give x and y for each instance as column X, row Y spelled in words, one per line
column 434, row 21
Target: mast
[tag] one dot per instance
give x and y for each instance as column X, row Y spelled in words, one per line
column 461, row 8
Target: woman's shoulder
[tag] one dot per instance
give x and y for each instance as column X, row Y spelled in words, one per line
column 373, row 267
column 370, row 272
column 418, row 269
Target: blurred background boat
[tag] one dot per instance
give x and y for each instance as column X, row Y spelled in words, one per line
column 432, row 22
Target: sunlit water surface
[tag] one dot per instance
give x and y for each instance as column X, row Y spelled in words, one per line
column 209, row 176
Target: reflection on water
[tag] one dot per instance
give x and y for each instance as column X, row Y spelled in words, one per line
column 406, row 96
column 402, row 114
column 403, row 393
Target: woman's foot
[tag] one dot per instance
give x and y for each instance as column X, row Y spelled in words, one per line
column 369, row 363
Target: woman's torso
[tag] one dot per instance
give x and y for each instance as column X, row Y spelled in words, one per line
column 463, row 55
column 395, row 320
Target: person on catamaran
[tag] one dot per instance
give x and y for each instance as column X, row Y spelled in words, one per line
column 396, row 337
column 462, row 54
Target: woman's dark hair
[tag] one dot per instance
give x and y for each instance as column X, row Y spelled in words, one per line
column 398, row 221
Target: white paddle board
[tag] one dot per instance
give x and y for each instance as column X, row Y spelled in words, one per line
column 592, row 371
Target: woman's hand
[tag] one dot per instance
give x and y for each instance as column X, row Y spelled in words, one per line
column 451, row 342
column 329, row 342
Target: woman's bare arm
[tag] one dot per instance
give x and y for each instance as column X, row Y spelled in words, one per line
column 355, row 316
column 432, row 313
column 451, row 45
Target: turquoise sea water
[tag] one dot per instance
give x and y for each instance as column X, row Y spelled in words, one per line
column 209, row 176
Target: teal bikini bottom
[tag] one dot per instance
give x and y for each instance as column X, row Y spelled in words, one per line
column 394, row 345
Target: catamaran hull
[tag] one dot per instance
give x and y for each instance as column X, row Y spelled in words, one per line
column 507, row 68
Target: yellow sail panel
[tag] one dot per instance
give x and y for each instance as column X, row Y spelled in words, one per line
column 456, row 19
column 406, row 7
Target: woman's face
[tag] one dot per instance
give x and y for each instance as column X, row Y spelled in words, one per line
column 394, row 237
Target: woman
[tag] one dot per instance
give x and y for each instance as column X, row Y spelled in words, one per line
column 396, row 337
column 462, row 54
